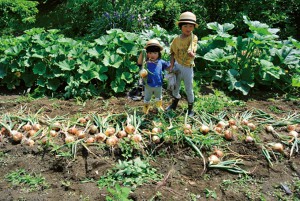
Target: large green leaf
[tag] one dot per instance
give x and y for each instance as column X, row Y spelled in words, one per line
column 296, row 81
column 53, row 84
column 104, row 40
column 113, row 60
column 217, row 55
column 118, row 85
column 39, row 68
column 67, row 65
column 233, row 78
column 2, row 70
column 14, row 51
column 127, row 77
column 269, row 72
column 96, row 51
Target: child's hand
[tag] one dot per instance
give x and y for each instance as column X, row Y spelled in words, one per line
column 191, row 53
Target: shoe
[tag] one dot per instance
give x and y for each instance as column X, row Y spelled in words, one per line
column 159, row 105
column 146, row 108
column 174, row 104
column 191, row 113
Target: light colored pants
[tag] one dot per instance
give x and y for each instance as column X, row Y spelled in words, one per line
column 149, row 91
column 186, row 74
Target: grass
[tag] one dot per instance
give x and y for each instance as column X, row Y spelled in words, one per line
column 20, row 178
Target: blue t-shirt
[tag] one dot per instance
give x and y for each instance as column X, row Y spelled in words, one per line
column 155, row 74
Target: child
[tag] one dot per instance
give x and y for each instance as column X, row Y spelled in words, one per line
column 154, row 69
column 183, row 52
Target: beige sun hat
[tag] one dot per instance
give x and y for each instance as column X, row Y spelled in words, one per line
column 187, row 17
column 154, row 42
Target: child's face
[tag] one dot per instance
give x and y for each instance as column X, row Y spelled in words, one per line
column 187, row 29
column 152, row 55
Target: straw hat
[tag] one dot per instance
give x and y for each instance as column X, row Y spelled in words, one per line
column 154, row 42
column 187, row 17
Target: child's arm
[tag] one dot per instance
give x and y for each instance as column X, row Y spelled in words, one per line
column 140, row 59
column 193, row 46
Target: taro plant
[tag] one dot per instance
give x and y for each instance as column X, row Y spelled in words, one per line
column 260, row 59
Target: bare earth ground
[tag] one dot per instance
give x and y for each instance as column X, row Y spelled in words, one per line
column 185, row 178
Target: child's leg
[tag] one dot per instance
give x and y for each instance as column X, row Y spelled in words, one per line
column 147, row 98
column 158, row 98
column 187, row 75
column 175, row 92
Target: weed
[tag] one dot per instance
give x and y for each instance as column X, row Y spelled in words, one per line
column 119, row 193
column 20, row 177
column 129, row 173
column 210, row 193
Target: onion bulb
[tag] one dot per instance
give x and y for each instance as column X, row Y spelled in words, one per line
column 90, row 140
column 204, row 129
column 29, row 142
column 245, row 122
column 218, row 129
column 221, row 124
column 249, row 139
column 269, row 129
column 155, row 139
column 291, row 127
column 213, row 159
column 81, row 134
column 27, row 127
column 53, row 133
column 293, row 133
column 82, row 120
column 56, row 126
column 187, row 126
column 100, row 137
column 136, row 138
column 112, row 141
column 93, row 129
column 218, row 153
column 228, row 135
column 16, row 135
column 121, row 134
column 156, row 130
column 31, row 133
column 277, row 147
column 143, row 73
column 251, row 126
column 234, row 127
column 129, row 129
column 110, row 131
column 231, row 122
column 73, row 130
column 69, row 139
column 187, row 131
column 36, row 127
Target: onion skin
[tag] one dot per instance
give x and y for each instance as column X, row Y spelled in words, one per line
column 27, row 127
column 90, row 140
column 187, row 131
column 228, row 135
column 204, row 129
column 213, row 159
column 221, row 124
column 136, row 138
column 112, row 141
column 93, row 129
column 121, row 134
column 36, row 127
column 31, row 133
column 291, row 127
column 218, row 130
column 269, row 129
column 69, row 139
column 129, row 129
column 100, row 137
column 56, row 126
column 249, row 139
column 156, row 139
column 231, row 122
column 187, row 126
column 82, row 120
column 251, row 126
column 293, row 133
column 81, row 134
column 218, row 153
column 16, row 136
column 73, row 130
column 278, row 147
column 156, row 130
column 245, row 122
column 110, row 131
column 53, row 133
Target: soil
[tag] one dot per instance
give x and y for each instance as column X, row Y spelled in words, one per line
column 185, row 175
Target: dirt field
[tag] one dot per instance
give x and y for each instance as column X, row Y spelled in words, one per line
column 185, row 176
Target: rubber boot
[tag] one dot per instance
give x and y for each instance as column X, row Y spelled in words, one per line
column 174, row 104
column 159, row 105
column 190, row 109
column 146, row 108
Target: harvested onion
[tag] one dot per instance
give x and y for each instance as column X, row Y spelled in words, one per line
column 218, row 153
column 204, row 129
column 228, row 135
column 136, row 138
column 213, row 159
column 293, row 133
column 16, row 135
column 231, row 122
column 269, row 129
column 129, row 129
column 277, row 147
column 100, row 137
column 251, row 126
column 69, row 139
column 121, row 134
column 155, row 139
column 249, row 139
column 112, row 141
column 143, row 73
column 93, row 129
column 221, row 124
column 291, row 127
column 110, row 131
column 36, row 127
column 156, row 130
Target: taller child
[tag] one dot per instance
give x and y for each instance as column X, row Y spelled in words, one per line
column 183, row 52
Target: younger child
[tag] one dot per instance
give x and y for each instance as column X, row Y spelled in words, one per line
column 154, row 67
